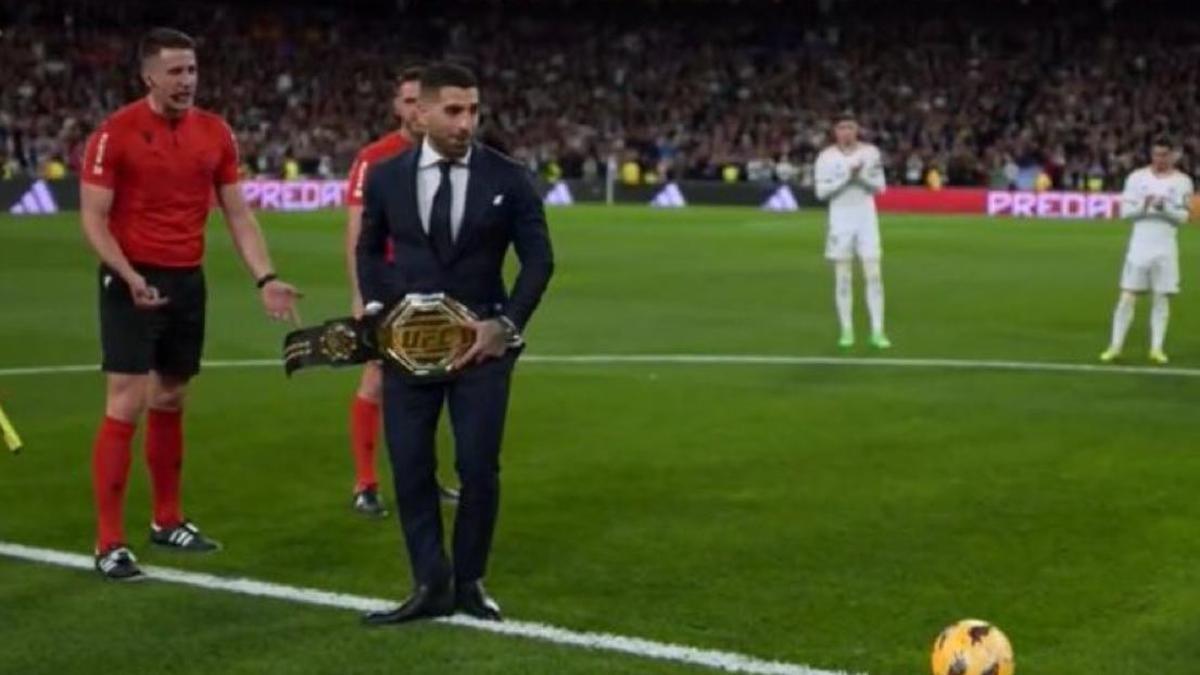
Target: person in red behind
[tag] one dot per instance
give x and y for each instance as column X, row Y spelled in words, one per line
column 147, row 183
column 364, row 409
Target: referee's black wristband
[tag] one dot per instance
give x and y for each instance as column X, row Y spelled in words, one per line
column 266, row 279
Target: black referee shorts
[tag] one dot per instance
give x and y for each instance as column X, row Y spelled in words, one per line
column 167, row 340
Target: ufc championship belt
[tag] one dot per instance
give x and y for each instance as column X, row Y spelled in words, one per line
column 423, row 334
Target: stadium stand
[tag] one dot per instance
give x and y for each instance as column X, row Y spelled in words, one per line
column 993, row 93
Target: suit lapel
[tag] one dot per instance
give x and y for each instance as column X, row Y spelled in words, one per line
column 477, row 200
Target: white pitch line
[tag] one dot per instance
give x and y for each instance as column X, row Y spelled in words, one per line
column 730, row 359
column 784, row 360
column 638, row 647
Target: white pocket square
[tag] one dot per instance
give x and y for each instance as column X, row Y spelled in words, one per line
column 498, row 200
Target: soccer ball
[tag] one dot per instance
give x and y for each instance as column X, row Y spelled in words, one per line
column 972, row 647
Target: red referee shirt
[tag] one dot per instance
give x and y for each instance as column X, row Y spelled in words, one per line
column 162, row 173
column 381, row 150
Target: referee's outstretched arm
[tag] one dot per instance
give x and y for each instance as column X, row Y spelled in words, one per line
column 278, row 298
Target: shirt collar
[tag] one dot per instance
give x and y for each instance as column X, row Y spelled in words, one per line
column 161, row 118
column 430, row 156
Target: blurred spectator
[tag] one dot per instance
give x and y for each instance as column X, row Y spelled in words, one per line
column 631, row 172
column 933, row 178
column 914, row 169
column 786, row 171
column 9, row 167
column 54, row 168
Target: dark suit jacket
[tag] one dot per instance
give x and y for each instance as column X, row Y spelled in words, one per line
column 502, row 208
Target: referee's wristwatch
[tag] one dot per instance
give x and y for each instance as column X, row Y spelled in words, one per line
column 265, row 279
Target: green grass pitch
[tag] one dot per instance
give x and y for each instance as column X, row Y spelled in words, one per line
column 836, row 516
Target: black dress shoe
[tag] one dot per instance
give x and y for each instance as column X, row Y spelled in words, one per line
column 471, row 599
column 426, row 602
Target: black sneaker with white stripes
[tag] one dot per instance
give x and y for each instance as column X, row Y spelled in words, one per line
column 367, row 503
column 118, row 564
column 183, row 537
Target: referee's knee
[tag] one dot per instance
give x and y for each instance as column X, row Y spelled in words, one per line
column 167, row 393
column 125, row 396
column 167, row 400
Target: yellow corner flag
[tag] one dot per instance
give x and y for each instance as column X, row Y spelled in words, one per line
column 11, row 439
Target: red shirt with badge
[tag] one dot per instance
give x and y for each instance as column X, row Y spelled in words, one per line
column 162, row 172
column 381, row 150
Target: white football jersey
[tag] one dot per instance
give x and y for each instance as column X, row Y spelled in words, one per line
column 849, row 199
column 1154, row 227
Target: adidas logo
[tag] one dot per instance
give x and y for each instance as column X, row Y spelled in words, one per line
column 782, row 199
column 36, row 200
column 559, row 195
column 669, row 197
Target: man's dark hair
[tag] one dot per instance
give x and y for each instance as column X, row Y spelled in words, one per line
column 159, row 39
column 409, row 74
column 845, row 116
column 445, row 74
column 1162, row 142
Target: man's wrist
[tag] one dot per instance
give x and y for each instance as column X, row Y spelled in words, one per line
column 512, row 334
column 130, row 276
column 265, row 279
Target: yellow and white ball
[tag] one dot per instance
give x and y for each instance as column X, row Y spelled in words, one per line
column 972, row 647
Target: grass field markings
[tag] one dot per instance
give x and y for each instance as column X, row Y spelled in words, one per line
column 606, row 642
column 784, row 360
column 729, row 359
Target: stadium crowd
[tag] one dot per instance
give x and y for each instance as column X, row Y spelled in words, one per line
column 994, row 92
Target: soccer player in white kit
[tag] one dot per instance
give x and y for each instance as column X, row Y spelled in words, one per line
column 849, row 174
column 1157, row 198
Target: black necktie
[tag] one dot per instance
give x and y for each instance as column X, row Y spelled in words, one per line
column 440, row 232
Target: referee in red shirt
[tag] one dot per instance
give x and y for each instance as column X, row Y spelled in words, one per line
column 148, row 178
column 364, row 409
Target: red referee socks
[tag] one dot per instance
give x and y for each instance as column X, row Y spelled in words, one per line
column 164, row 456
column 364, row 427
column 110, row 472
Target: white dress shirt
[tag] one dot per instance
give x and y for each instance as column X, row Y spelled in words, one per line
column 429, row 176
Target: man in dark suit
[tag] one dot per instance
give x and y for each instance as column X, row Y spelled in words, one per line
column 451, row 208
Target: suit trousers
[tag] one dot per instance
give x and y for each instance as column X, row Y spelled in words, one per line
column 478, row 403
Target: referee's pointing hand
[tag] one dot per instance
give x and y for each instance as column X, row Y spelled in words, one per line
column 279, row 299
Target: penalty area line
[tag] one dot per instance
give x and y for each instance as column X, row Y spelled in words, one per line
column 603, row 642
